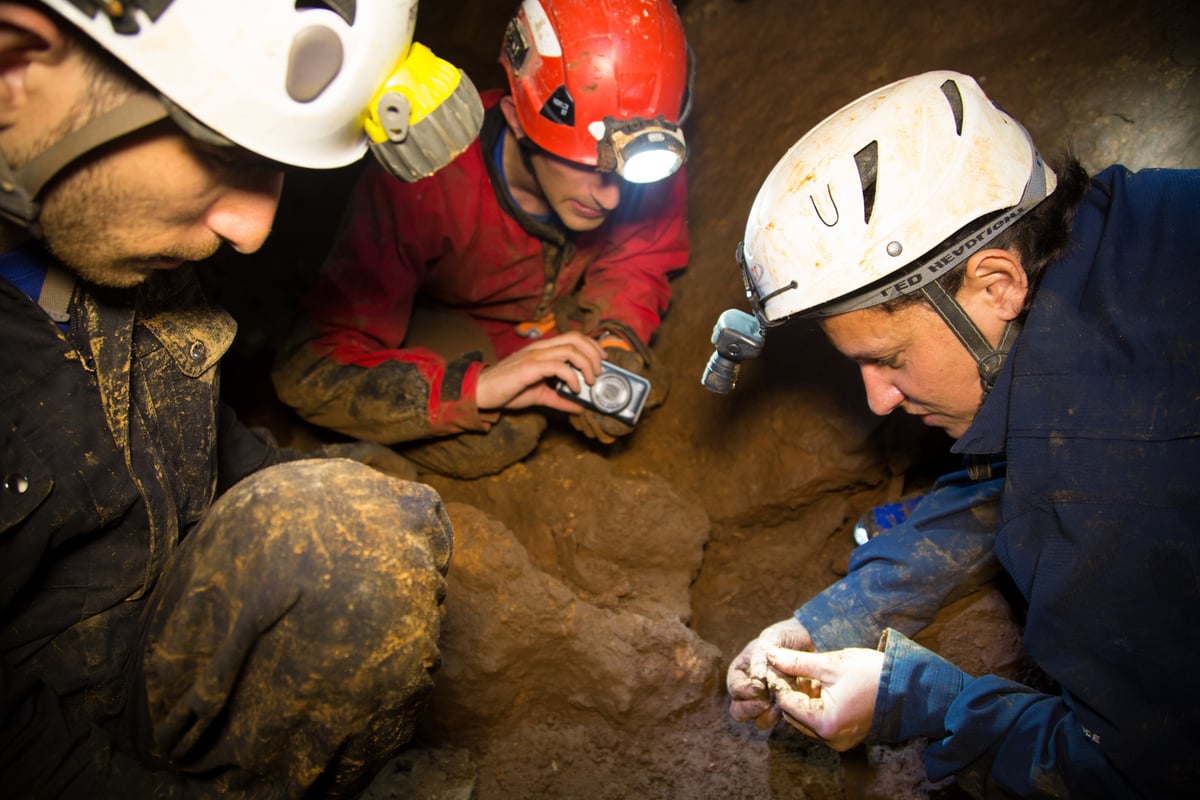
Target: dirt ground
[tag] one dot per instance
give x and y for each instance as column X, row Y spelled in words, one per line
column 597, row 595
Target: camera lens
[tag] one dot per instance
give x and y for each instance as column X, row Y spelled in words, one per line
column 611, row 392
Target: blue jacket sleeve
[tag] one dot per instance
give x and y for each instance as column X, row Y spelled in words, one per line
column 899, row 579
column 997, row 737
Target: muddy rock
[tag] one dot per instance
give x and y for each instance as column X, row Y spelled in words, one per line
column 597, row 594
column 520, row 642
column 622, row 541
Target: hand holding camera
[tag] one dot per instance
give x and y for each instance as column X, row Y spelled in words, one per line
column 616, row 392
column 525, row 379
column 534, row 377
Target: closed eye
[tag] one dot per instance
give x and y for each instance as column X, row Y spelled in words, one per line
column 885, row 362
column 233, row 159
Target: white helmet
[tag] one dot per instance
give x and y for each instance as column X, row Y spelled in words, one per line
column 308, row 84
column 851, row 215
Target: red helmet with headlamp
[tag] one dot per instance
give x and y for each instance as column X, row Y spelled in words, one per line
column 604, row 83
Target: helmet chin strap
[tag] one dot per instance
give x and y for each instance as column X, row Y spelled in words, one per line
column 990, row 360
column 20, row 188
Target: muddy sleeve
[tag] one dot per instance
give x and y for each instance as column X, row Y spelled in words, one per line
column 996, row 736
column 388, row 395
column 628, row 287
column 901, row 578
column 344, row 365
column 290, row 647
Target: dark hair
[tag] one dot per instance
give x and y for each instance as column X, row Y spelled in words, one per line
column 1040, row 237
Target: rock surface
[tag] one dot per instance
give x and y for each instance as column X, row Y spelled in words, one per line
column 596, row 596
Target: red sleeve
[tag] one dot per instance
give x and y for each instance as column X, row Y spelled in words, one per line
column 344, row 367
column 648, row 243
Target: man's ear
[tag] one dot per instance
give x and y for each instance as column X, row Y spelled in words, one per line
column 508, row 107
column 997, row 280
column 26, row 36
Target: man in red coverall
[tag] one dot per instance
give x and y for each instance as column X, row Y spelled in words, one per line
column 449, row 306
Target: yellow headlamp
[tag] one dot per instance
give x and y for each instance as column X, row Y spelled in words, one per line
column 426, row 113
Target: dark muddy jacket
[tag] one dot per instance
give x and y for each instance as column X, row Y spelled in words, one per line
column 1098, row 416
column 110, row 440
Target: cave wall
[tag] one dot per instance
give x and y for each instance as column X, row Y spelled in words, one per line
column 598, row 593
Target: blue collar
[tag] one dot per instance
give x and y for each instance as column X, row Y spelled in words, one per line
column 498, row 160
column 25, row 268
column 988, row 434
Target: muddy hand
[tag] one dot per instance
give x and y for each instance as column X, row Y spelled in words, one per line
column 749, row 674
column 604, row 428
column 601, row 427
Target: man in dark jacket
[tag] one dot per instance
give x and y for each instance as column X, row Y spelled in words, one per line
column 1049, row 324
column 186, row 611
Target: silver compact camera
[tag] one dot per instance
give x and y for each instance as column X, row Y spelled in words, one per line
column 616, row 392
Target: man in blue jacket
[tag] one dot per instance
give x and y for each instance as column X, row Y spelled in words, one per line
column 1050, row 324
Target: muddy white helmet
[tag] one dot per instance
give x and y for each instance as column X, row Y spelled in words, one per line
column 853, row 214
column 309, row 84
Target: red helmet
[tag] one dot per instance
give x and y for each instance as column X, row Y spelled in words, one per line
column 602, row 82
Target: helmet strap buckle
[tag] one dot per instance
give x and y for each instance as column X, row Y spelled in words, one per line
column 989, row 360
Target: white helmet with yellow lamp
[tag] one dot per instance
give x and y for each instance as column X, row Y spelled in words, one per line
column 310, row 84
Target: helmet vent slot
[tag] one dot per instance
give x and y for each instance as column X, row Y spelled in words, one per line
column 315, row 59
column 121, row 14
column 867, row 161
column 343, row 8
column 954, row 98
column 515, row 46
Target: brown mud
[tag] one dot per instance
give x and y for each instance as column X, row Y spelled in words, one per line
column 596, row 595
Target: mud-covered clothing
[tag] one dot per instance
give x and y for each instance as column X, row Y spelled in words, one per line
column 458, row 241
column 943, row 550
column 1098, row 415
column 143, row 627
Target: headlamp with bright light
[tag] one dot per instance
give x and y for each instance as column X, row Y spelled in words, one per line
column 639, row 150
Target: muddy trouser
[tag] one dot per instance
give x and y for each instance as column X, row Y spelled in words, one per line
column 473, row 454
column 476, row 454
column 290, row 644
